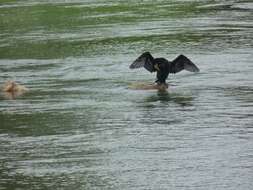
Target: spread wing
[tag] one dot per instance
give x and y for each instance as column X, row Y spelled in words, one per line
column 145, row 60
column 181, row 63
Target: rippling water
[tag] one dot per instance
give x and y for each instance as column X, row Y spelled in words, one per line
column 81, row 127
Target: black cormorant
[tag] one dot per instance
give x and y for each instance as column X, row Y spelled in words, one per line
column 162, row 66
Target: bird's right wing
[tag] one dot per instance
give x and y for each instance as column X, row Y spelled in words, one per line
column 145, row 60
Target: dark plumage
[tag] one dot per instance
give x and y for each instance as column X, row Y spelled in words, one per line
column 162, row 66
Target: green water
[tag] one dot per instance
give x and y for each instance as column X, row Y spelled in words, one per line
column 80, row 126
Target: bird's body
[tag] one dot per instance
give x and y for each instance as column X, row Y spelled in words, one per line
column 162, row 66
column 164, row 69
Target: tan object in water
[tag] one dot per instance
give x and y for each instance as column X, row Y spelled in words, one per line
column 12, row 89
column 143, row 86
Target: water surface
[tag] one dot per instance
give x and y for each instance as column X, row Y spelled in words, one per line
column 81, row 127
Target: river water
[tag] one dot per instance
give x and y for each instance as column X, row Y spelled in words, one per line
column 81, row 126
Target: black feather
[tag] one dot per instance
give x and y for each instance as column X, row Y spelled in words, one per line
column 145, row 60
column 181, row 63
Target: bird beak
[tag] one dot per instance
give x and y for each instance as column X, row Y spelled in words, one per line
column 156, row 67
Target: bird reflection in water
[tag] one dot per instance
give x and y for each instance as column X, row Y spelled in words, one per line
column 167, row 97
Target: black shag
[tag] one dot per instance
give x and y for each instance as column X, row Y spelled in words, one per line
column 162, row 66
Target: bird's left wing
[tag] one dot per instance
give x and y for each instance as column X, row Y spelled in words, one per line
column 181, row 63
column 145, row 60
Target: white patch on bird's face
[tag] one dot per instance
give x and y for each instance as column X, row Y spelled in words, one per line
column 157, row 67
